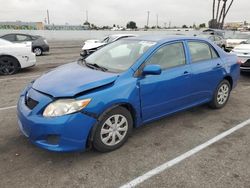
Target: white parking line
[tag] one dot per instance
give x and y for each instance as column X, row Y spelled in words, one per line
column 182, row 157
column 7, row 108
column 24, row 77
column 246, row 88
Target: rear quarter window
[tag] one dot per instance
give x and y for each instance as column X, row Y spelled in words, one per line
column 9, row 37
column 201, row 51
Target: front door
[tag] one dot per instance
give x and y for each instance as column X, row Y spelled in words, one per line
column 168, row 92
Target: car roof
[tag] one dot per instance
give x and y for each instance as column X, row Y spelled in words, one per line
column 20, row 34
column 165, row 38
column 204, row 35
column 122, row 35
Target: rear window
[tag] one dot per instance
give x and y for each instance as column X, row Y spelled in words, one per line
column 201, row 51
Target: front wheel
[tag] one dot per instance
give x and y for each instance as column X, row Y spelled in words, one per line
column 221, row 95
column 113, row 130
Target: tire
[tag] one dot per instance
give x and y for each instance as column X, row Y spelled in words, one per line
column 8, row 65
column 38, row 51
column 221, row 95
column 106, row 134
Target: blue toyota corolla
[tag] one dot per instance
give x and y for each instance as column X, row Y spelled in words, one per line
column 98, row 101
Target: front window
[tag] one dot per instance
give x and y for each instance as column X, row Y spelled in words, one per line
column 171, row 55
column 120, row 55
column 22, row 38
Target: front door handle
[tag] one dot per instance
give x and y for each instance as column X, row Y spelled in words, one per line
column 186, row 72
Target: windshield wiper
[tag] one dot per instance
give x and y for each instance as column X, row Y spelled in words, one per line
column 93, row 66
column 98, row 66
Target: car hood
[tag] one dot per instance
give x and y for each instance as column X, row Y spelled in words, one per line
column 92, row 45
column 243, row 47
column 235, row 40
column 70, row 79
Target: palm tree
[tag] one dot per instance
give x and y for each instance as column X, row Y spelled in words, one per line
column 213, row 8
column 225, row 11
column 221, row 12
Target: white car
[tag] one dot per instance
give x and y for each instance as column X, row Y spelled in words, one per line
column 92, row 45
column 243, row 53
column 236, row 40
column 14, row 57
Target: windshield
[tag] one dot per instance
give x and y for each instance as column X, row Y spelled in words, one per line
column 120, row 55
column 4, row 42
column 109, row 39
column 204, row 36
column 248, row 41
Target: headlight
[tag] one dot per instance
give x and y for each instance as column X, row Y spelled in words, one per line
column 65, row 106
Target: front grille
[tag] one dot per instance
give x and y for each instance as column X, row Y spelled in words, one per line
column 246, row 64
column 31, row 103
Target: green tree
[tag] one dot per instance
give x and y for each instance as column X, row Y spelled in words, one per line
column 184, row 26
column 131, row 25
column 202, row 25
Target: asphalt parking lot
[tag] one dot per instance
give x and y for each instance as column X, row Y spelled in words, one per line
column 225, row 163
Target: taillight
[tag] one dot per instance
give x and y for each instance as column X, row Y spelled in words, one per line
column 239, row 62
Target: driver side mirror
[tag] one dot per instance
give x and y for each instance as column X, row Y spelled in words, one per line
column 151, row 70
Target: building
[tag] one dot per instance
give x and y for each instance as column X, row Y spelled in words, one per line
column 22, row 25
column 234, row 25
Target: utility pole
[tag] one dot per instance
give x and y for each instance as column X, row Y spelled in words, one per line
column 169, row 24
column 156, row 21
column 87, row 16
column 48, row 17
column 148, row 18
column 165, row 25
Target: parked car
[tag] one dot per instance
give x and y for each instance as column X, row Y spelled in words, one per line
column 243, row 53
column 99, row 100
column 220, row 41
column 92, row 45
column 14, row 57
column 217, row 32
column 235, row 40
column 39, row 44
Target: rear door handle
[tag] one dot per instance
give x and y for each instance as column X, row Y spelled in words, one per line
column 218, row 65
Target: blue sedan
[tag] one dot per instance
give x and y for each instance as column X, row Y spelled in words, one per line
column 97, row 101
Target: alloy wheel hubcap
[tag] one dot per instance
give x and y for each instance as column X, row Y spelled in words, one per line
column 37, row 51
column 223, row 94
column 7, row 67
column 114, row 130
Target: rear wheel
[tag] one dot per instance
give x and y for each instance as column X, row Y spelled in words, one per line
column 221, row 95
column 38, row 51
column 113, row 130
column 8, row 65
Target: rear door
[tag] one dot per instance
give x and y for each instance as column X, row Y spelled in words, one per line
column 206, row 67
column 168, row 92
